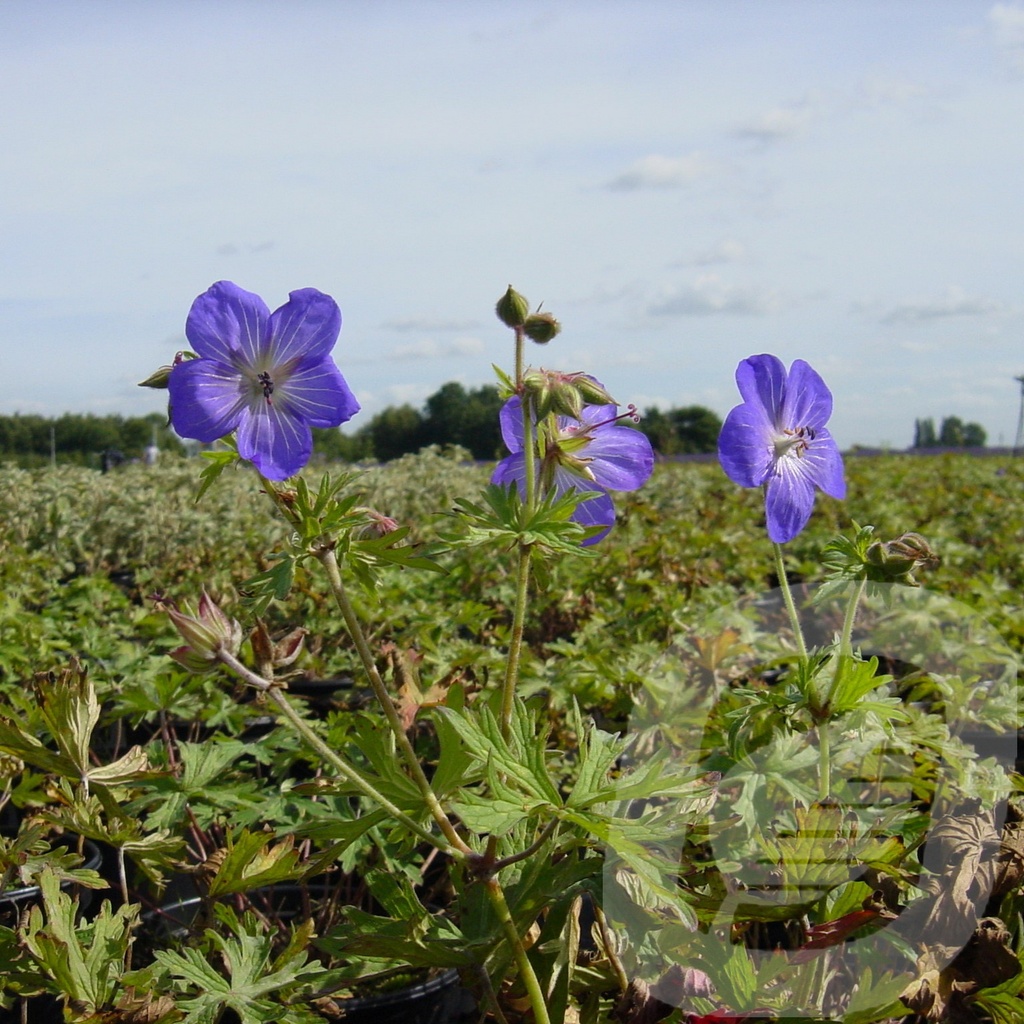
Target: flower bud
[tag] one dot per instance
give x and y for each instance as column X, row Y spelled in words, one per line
column 512, row 308
column 897, row 560
column 541, row 327
column 379, row 525
column 564, row 394
column 158, row 378
column 207, row 633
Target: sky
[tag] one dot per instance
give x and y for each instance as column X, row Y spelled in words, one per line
column 682, row 183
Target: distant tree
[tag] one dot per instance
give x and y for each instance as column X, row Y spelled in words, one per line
column 395, row 431
column 951, row 433
column 924, row 434
column 689, row 430
column 333, row 445
column 696, row 428
column 466, row 418
column 974, row 435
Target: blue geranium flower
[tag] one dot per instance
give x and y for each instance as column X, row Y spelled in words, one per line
column 268, row 377
column 777, row 440
column 592, row 453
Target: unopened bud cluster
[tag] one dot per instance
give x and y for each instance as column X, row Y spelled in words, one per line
column 564, row 394
column 897, row 560
column 513, row 310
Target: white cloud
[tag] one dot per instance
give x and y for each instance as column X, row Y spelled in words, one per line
column 708, row 295
column 430, row 349
column 954, row 301
column 656, row 171
column 1007, row 21
column 728, row 250
column 776, row 124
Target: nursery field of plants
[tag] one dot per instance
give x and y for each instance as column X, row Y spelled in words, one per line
column 657, row 669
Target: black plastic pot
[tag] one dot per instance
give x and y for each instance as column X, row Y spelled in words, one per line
column 14, row 902
column 436, row 1000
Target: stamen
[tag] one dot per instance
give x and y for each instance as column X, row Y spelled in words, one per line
column 630, row 414
column 268, row 386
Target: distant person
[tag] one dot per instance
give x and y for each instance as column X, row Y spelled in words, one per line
column 150, row 455
column 110, row 458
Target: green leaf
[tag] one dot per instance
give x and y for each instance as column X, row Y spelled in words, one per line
column 252, row 861
column 217, row 462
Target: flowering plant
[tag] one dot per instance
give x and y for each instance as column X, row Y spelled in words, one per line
column 609, row 793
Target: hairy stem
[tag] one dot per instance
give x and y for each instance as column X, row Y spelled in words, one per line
column 331, row 757
column 533, row 990
column 329, row 561
column 787, row 597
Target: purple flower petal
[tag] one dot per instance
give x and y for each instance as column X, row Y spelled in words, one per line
column 276, row 443
column 744, row 448
column 511, row 469
column 597, row 511
column 227, row 323
column 823, row 464
column 808, row 401
column 510, row 419
column 777, row 438
column 789, row 499
column 317, row 393
column 621, row 458
column 306, row 327
column 207, row 399
column 266, row 376
column 762, row 383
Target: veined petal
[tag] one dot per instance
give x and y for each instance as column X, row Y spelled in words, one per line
column 745, row 445
column 277, row 443
column 598, row 511
column 808, row 401
column 789, row 499
column 621, row 458
column 823, row 464
column 229, row 324
column 305, row 327
column 511, row 421
column 511, row 469
column 317, row 393
column 207, row 398
column 762, row 383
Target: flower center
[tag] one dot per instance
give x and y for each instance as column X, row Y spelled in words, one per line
column 268, row 386
column 793, row 442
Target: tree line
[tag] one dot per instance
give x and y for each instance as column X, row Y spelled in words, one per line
column 469, row 418
column 81, row 438
column 953, row 433
column 453, row 415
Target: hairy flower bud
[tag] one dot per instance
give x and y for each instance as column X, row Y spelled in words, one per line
column 541, row 327
column 512, row 308
column 379, row 525
column 207, row 633
column 564, row 394
column 897, row 560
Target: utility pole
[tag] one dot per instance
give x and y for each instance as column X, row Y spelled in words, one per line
column 1018, row 443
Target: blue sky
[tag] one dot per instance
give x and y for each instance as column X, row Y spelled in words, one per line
column 682, row 183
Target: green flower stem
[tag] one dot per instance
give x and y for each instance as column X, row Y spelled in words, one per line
column 515, row 647
column 329, row 561
column 343, row 768
column 787, row 596
column 824, row 761
column 845, row 638
column 533, row 990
